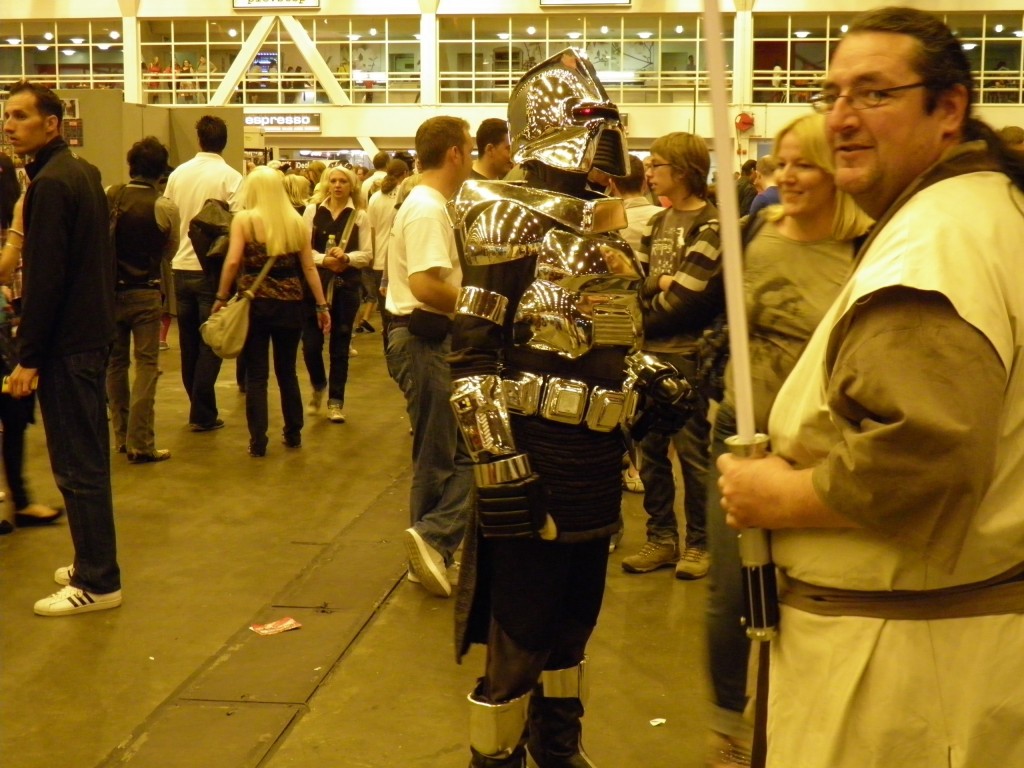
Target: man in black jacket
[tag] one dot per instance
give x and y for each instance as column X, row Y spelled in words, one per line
column 67, row 326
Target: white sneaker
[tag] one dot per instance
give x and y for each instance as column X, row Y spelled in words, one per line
column 352, row 351
column 69, row 600
column 63, row 575
column 315, row 401
column 427, row 564
column 334, row 414
column 452, row 572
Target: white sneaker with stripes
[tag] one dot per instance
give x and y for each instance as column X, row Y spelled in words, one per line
column 63, row 574
column 70, row 600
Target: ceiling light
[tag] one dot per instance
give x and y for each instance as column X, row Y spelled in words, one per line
column 531, row 30
column 115, row 35
column 232, row 32
column 574, row 35
column 42, row 47
column 373, row 31
column 679, row 29
column 844, row 28
column 999, row 27
column 504, row 35
column 68, row 51
column 354, row 37
column 644, row 35
column 604, row 30
column 416, row 35
column 969, row 46
column 103, row 46
column 77, row 40
column 802, row 33
column 1019, row 33
column 48, row 36
column 13, row 40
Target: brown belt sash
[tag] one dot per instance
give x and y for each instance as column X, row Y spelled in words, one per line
column 999, row 595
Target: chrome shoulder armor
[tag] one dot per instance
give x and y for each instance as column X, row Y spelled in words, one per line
column 603, row 214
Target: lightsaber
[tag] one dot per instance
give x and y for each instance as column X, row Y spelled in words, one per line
column 759, row 585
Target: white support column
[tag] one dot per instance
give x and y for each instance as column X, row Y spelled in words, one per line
column 743, row 56
column 132, row 54
column 430, row 88
column 240, row 66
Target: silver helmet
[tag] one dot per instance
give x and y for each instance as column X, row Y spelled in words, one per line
column 560, row 115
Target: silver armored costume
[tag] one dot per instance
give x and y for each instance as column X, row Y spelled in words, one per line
column 547, row 315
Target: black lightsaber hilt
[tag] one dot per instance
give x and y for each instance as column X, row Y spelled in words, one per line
column 760, row 589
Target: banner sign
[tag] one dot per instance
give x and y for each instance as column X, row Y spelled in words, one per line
column 260, row 5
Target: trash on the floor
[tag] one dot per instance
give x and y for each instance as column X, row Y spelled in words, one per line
column 276, row 627
column 658, row 721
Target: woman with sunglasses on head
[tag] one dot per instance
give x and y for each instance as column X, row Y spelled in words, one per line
column 336, row 203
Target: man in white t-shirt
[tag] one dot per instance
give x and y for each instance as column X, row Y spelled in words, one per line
column 424, row 278
column 205, row 176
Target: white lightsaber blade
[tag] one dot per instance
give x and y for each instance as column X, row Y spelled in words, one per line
column 760, row 590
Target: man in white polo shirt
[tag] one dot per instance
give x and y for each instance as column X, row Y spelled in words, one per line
column 193, row 182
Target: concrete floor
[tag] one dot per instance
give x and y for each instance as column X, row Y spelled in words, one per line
column 214, row 541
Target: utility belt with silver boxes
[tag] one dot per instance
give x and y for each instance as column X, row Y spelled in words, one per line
column 568, row 401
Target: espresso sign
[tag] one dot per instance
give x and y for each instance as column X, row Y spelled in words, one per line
column 285, row 122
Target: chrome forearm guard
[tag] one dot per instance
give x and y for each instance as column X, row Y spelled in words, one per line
column 482, row 415
column 510, row 470
column 481, row 303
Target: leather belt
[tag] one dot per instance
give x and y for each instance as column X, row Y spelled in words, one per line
column 567, row 401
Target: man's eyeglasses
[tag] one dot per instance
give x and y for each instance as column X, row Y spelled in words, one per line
column 860, row 97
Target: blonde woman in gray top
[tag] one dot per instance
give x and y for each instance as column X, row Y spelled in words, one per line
column 796, row 259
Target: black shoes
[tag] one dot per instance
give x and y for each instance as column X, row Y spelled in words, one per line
column 365, row 327
column 217, row 424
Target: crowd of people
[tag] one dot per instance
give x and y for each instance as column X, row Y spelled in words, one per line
column 548, row 306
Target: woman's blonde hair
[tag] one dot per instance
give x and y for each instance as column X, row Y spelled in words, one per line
column 314, row 171
column 297, row 187
column 849, row 221
column 323, row 187
column 263, row 197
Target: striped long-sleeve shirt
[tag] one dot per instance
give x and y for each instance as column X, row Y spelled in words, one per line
column 689, row 249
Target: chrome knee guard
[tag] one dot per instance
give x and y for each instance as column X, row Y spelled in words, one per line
column 496, row 730
column 568, row 683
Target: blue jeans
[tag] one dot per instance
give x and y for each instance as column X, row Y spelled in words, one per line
column 691, row 444
column 442, row 482
column 199, row 365
column 728, row 646
column 344, row 305
column 278, row 323
column 137, row 314
column 72, row 398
